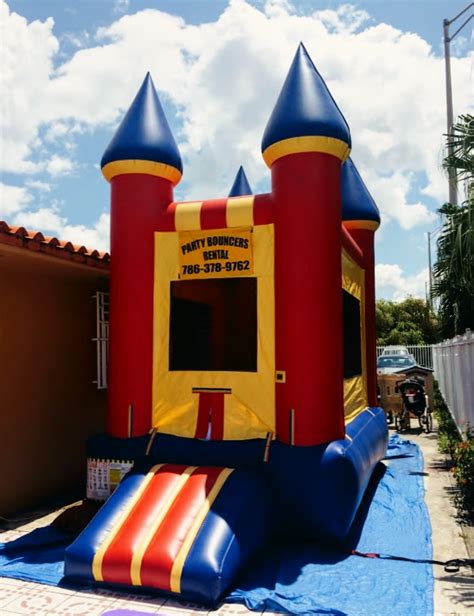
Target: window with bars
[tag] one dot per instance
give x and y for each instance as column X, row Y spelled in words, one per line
column 102, row 337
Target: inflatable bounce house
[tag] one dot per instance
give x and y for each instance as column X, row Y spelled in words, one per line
column 242, row 352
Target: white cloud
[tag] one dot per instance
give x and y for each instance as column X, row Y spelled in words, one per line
column 121, row 6
column 344, row 19
column 76, row 40
column 46, row 220
column 50, row 222
column 96, row 236
column 27, row 53
column 58, row 165
column 58, row 132
column 222, row 79
column 392, row 283
column 38, row 185
column 278, row 8
column 461, row 45
column 12, row 200
column 391, row 195
column 15, row 202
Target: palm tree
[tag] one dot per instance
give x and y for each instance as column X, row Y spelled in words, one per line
column 454, row 270
column 459, row 147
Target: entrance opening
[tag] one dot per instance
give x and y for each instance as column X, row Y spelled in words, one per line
column 213, row 325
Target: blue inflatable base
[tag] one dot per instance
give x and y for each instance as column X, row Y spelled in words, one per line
column 319, row 489
column 303, row 578
column 315, row 490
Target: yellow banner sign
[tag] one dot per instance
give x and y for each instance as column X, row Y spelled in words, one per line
column 215, row 254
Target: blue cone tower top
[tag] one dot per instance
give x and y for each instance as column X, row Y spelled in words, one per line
column 306, row 117
column 358, row 208
column 144, row 142
column 241, row 186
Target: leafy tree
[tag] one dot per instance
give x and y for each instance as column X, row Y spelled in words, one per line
column 453, row 271
column 409, row 322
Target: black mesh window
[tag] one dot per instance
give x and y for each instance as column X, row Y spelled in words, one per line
column 352, row 341
column 213, row 325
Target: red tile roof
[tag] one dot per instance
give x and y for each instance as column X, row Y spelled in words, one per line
column 37, row 242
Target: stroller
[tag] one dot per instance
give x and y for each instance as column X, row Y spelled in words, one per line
column 413, row 402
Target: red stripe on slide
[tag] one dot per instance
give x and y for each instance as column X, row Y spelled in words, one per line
column 118, row 557
column 164, row 547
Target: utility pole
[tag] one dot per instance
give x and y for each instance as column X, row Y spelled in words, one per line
column 430, row 271
column 453, row 197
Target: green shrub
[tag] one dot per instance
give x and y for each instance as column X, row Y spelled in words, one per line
column 460, row 447
column 448, row 435
column 463, row 472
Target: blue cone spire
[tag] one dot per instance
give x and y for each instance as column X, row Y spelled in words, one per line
column 144, row 134
column 305, row 107
column 357, row 202
column 241, row 186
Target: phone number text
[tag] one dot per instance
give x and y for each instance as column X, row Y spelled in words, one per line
column 216, row 268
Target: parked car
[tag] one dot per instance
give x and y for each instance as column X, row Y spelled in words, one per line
column 389, row 364
column 396, row 350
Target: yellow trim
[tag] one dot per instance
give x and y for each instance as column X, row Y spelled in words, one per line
column 297, row 145
column 239, row 212
column 355, row 397
column 355, row 389
column 370, row 225
column 250, row 408
column 241, row 422
column 117, row 524
column 187, row 216
column 177, row 569
column 140, row 549
column 147, row 167
column 352, row 276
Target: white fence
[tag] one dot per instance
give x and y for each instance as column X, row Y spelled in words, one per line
column 454, row 371
column 423, row 353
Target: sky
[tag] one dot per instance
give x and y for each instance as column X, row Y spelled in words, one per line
column 69, row 70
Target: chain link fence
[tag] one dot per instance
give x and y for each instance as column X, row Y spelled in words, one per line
column 423, row 353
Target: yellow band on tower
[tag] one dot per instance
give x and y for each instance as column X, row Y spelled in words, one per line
column 368, row 225
column 147, row 167
column 297, row 145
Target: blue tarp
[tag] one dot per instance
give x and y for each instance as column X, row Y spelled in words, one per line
column 36, row 557
column 306, row 579
column 392, row 521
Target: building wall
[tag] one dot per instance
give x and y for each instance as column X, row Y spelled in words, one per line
column 49, row 404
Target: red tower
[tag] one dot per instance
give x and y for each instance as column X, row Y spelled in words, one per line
column 142, row 164
column 361, row 218
column 304, row 144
